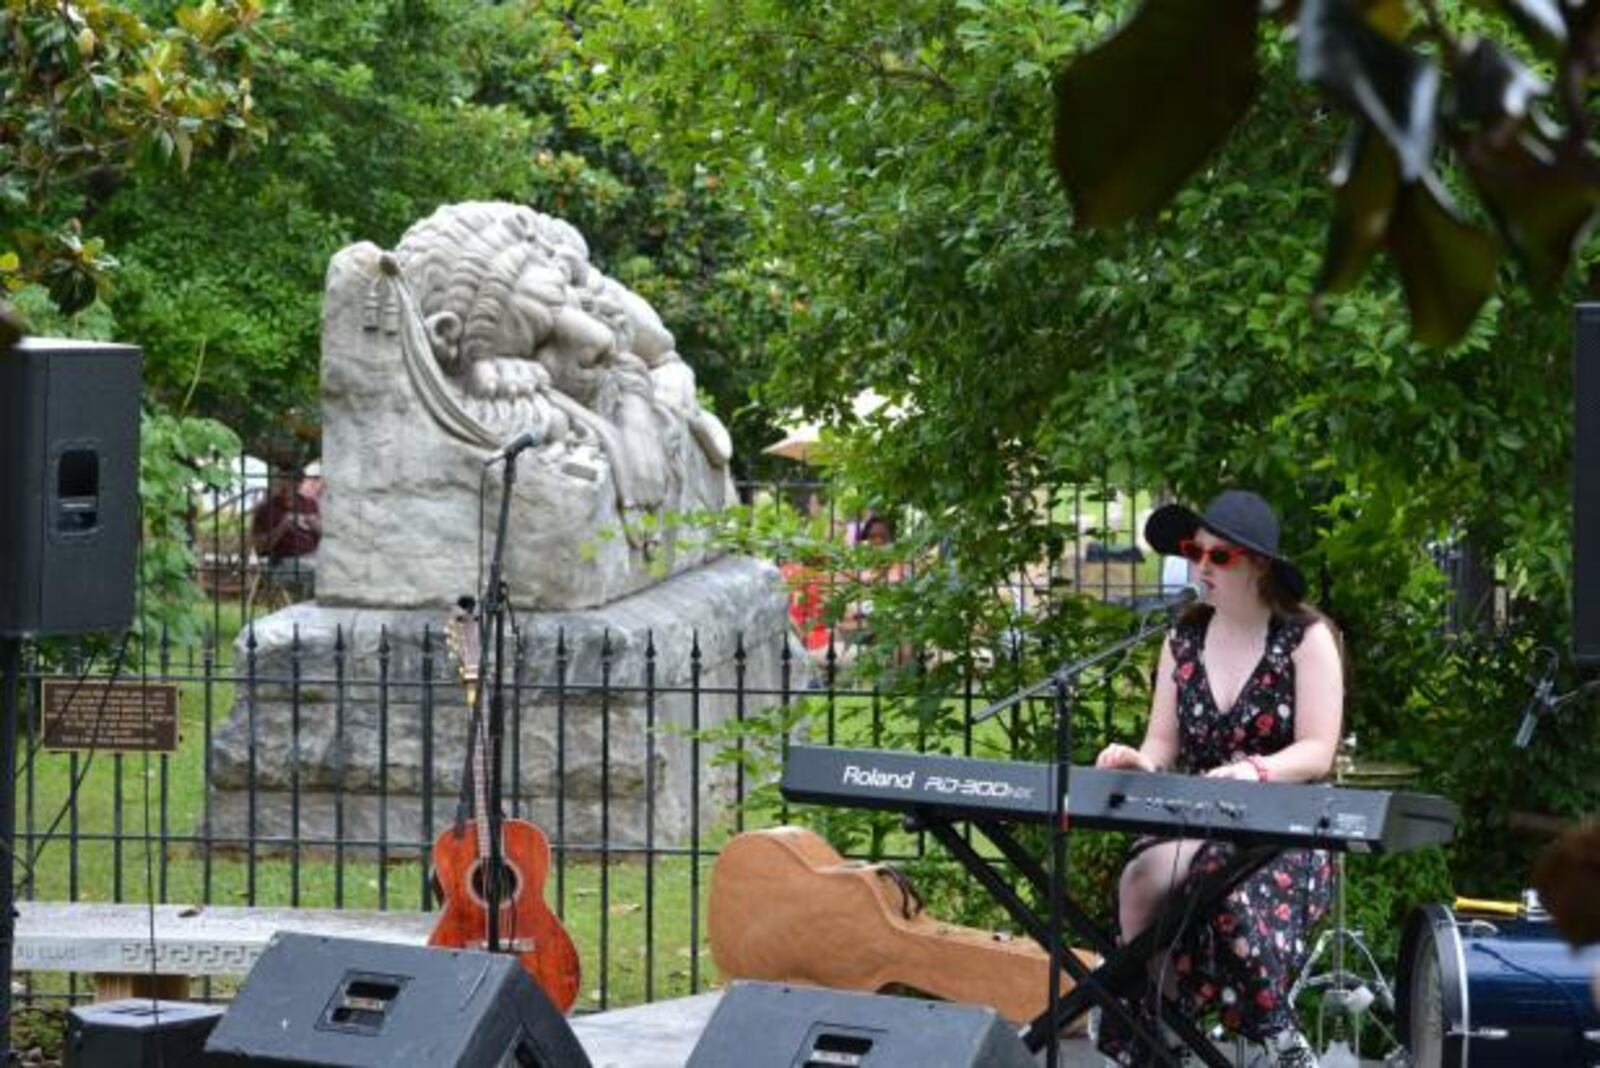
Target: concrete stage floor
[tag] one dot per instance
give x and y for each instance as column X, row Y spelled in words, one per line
column 663, row 1034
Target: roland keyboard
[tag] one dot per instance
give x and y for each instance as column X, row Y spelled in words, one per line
column 1252, row 813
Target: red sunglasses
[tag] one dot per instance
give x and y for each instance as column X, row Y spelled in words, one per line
column 1220, row 555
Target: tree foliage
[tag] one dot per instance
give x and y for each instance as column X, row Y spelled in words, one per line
column 88, row 90
column 1139, row 113
column 897, row 185
column 896, row 164
column 378, row 111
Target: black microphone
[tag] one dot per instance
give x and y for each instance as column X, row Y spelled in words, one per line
column 525, row 440
column 1538, row 704
column 1189, row 593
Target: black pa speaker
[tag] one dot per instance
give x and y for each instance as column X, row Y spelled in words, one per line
column 770, row 1025
column 343, row 1003
column 69, row 486
column 138, row 1033
column 1586, row 485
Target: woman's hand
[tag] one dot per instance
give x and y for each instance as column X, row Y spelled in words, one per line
column 1241, row 770
column 1123, row 756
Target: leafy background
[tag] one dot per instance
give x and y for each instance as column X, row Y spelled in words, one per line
column 832, row 195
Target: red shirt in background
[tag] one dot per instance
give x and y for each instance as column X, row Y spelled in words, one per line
column 807, row 599
column 283, row 527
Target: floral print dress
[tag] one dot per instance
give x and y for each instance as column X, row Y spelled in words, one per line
column 1240, row 959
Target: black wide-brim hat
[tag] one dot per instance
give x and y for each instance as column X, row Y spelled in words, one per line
column 1240, row 517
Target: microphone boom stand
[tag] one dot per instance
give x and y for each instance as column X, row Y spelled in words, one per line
column 494, row 616
column 1064, row 683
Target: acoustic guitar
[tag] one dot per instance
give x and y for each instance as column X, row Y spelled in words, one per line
column 785, row 907
column 463, row 867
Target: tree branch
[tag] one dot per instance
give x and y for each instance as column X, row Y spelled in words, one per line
column 926, row 75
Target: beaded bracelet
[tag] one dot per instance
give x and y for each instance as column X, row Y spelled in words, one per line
column 1263, row 773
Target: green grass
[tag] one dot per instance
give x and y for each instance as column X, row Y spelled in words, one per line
column 605, row 912
column 607, row 906
column 640, row 927
column 629, row 916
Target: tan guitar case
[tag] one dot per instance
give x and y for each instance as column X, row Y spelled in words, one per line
column 785, row 907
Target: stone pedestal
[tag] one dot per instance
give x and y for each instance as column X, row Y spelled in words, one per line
column 340, row 714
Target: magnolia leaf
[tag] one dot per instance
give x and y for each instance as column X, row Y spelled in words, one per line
column 1139, row 113
column 1492, row 84
column 1542, row 204
column 1446, row 265
column 1366, row 181
column 71, row 286
column 1386, row 83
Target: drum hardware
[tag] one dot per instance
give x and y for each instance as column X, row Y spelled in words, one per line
column 1221, row 1037
column 1348, row 994
column 1507, row 994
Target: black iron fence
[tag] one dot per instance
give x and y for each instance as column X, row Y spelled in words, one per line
column 247, row 539
column 318, row 773
column 318, row 757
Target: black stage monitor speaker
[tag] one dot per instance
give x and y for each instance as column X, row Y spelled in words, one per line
column 69, row 486
column 770, row 1025
column 125, row 1034
column 343, row 1003
column 1586, row 485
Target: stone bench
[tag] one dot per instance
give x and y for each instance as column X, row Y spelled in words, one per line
column 112, row 942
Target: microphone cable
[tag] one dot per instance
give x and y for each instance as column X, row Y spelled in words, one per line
column 35, row 746
column 1190, row 903
column 149, row 851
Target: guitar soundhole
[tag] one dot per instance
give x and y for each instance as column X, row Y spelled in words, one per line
column 507, row 881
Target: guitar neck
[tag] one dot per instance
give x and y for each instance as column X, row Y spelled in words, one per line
column 480, row 788
column 463, row 637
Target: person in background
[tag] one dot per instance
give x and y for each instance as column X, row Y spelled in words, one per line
column 807, row 604
column 1250, row 686
column 285, row 530
column 311, row 482
column 877, row 533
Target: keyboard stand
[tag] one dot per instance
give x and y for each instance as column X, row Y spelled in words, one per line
column 1123, row 969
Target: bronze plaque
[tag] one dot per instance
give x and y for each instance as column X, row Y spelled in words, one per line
column 110, row 716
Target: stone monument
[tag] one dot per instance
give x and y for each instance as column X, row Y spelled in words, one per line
column 489, row 320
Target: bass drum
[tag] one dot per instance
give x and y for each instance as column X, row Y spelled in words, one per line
column 1501, row 992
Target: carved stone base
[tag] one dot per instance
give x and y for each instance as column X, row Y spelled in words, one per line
column 346, row 709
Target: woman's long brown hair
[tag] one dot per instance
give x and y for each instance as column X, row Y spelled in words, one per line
column 1287, row 607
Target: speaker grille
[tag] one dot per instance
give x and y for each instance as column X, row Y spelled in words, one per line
column 69, row 486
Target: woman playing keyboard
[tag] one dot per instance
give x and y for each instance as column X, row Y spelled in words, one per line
column 1250, row 686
